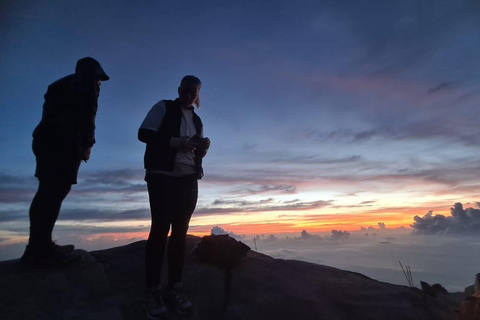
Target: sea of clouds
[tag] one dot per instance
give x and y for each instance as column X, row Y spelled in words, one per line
column 437, row 249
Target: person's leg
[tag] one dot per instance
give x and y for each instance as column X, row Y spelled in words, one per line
column 158, row 191
column 56, row 169
column 185, row 201
column 44, row 212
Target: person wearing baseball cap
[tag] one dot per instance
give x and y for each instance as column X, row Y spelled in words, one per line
column 63, row 138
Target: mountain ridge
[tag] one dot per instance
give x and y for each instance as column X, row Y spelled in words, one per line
column 109, row 284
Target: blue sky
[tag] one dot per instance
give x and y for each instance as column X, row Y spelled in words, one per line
column 322, row 114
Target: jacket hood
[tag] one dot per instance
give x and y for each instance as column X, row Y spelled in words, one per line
column 89, row 68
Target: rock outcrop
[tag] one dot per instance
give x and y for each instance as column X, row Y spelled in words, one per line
column 470, row 308
column 109, row 284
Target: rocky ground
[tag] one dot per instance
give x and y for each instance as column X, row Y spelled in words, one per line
column 109, row 284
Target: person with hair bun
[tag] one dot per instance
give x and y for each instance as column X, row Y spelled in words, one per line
column 175, row 147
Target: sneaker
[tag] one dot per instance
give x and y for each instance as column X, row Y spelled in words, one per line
column 68, row 248
column 176, row 299
column 48, row 257
column 154, row 305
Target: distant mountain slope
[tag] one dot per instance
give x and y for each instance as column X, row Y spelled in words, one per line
column 109, row 284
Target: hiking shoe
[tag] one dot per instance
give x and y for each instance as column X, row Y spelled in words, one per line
column 176, row 299
column 68, row 248
column 50, row 256
column 154, row 305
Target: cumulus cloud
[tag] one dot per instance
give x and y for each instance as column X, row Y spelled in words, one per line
column 271, row 238
column 305, row 235
column 339, row 235
column 266, row 239
column 381, row 226
column 219, row 230
column 461, row 222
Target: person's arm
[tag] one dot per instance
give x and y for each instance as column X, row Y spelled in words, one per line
column 147, row 135
column 148, row 131
column 86, row 118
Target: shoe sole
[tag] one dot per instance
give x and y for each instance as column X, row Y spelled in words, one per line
column 35, row 262
column 159, row 317
column 65, row 249
column 179, row 311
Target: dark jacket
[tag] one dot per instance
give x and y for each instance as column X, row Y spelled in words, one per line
column 69, row 111
column 158, row 154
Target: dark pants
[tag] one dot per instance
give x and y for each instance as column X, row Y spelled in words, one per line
column 44, row 212
column 57, row 169
column 56, row 161
column 172, row 202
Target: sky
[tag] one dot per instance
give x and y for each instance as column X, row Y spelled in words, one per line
column 323, row 115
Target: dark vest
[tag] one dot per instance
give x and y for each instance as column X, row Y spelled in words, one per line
column 158, row 154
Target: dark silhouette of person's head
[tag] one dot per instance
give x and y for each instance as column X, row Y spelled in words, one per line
column 90, row 69
column 189, row 91
column 192, row 80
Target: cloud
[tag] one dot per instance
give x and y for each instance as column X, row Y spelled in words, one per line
column 10, row 181
column 219, row 230
column 461, row 222
column 16, row 196
column 335, row 235
column 95, row 230
column 228, row 206
column 304, row 235
column 313, row 159
column 16, row 189
column 337, row 135
column 381, row 227
column 127, row 180
column 99, row 188
column 339, row 235
column 105, row 214
column 13, row 215
column 281, row 188
column 269, row 238
column 364, row 136
column 442, row 87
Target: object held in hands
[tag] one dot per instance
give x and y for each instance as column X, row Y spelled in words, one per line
column 199, row 142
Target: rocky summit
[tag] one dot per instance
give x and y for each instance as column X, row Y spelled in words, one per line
column 109, row 284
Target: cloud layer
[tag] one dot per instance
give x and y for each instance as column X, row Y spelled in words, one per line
column 460, row 222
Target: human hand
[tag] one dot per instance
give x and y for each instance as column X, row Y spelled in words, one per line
column 201, row 143
column 205, row 143
column 182, row 144
column 86, row 154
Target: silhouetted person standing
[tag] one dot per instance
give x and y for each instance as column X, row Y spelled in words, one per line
column 173, row 162
column 63, row 138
